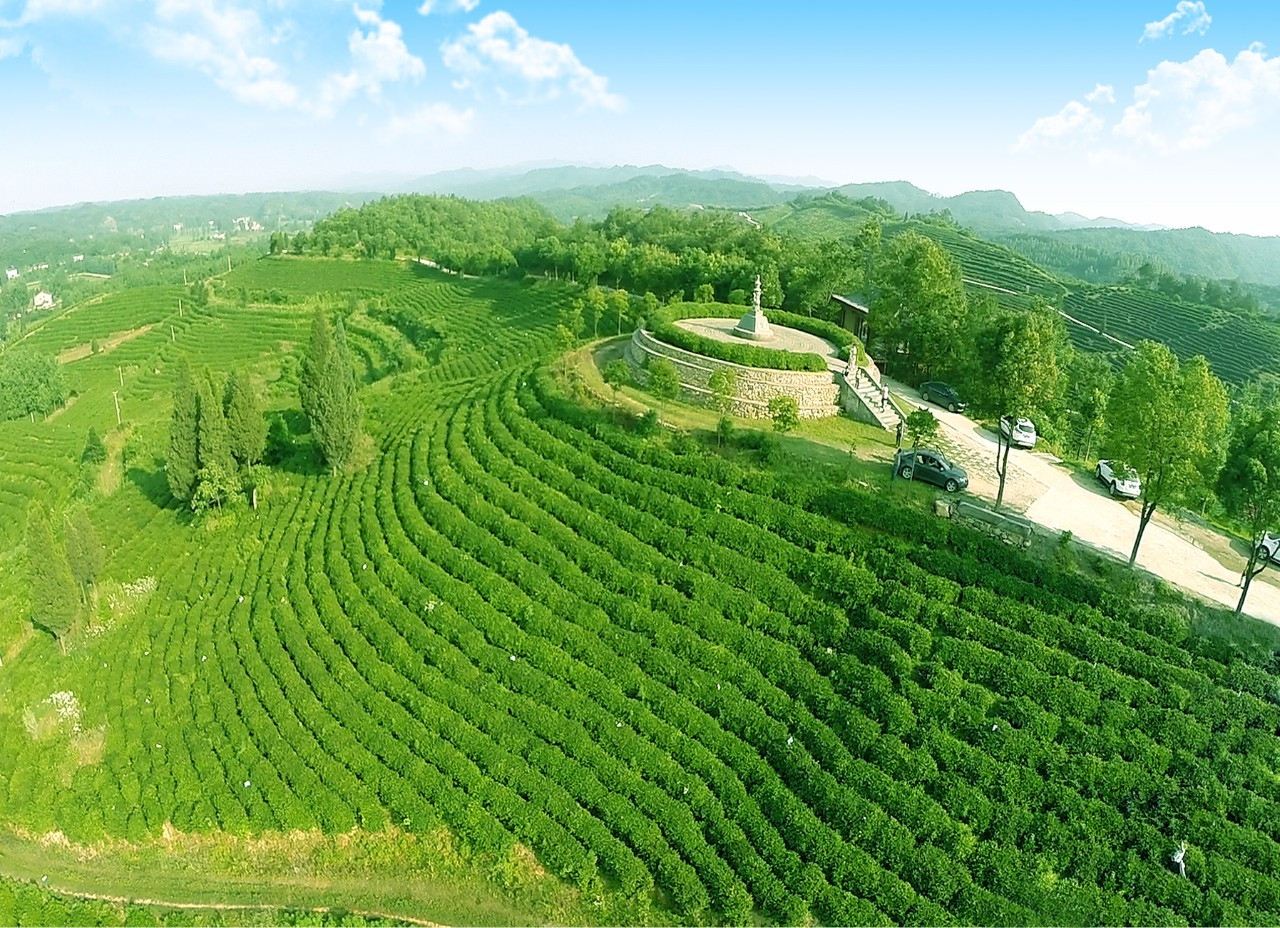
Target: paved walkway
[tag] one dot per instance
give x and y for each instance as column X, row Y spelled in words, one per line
column 1057, row 497
column 783, row 337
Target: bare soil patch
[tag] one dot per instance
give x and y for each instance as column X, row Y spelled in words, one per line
column 80, row 352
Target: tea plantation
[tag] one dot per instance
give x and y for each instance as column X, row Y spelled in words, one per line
column 690, row 685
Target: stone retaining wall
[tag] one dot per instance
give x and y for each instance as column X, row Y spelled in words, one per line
column 817, row 393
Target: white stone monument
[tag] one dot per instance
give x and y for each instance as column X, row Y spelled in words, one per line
column 753, row 324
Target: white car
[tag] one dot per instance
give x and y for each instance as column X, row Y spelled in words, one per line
column 1270, row 546
column 1127, row 484
column 1021, row 432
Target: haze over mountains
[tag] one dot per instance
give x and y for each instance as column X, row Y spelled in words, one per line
column 577, row 191
column 983, row 210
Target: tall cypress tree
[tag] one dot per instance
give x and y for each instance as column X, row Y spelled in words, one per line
column 53, row 588
column 348, row 411
column 328, row 393
column 246, row 425
column 313, row 384
column 214, row 445
column 85, row 553
column 182, row 462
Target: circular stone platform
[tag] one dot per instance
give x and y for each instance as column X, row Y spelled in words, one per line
column 784, row 339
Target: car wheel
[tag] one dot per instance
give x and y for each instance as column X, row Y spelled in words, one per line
column 1097, row 472
column 1112, row 488
column 951, row 407
column 906, row 472
column 952, row 486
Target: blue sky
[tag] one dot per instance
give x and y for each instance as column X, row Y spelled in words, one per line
column 1163, row 112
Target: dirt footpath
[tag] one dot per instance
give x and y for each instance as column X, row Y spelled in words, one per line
column 1048, row 492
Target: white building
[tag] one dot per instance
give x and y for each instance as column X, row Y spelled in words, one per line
column 11, row 274
column 42, row 300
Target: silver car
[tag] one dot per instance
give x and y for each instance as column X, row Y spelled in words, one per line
column 1124, row 484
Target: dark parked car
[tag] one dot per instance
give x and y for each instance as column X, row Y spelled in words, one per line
column 935, row 391
column 931, row 467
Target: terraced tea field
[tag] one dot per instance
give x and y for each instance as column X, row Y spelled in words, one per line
column 691, row 687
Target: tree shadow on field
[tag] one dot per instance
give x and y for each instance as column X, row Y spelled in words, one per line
column 289, row 445
column 152, row 481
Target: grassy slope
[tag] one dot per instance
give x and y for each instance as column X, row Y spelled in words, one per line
column 147, row 539
column 520, row 626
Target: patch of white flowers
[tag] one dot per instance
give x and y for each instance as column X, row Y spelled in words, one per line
column 67, row 707
column 140, row 587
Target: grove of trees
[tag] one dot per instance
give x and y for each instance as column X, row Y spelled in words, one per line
column 30, row 384
column 217, row 436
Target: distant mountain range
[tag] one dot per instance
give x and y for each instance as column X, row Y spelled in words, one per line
column 571, row 191
column 574, row 191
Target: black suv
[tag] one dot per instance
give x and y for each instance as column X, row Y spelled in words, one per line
column 935, row 391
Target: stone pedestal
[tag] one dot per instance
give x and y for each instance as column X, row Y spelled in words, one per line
column 753, row 325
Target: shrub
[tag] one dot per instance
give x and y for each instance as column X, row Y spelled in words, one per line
column 785, row 413
column 922, row 427
column 664, row 380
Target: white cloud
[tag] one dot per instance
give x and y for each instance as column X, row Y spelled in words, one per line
column 1193, row 11
column 221, row 41
column 36, row 10
column 498, row 45
column 1190, row 104
column 429, row 119
column 447, row 6
column 10, row 48
column 378, row 56
column 1073, row 120
column 1102, row 93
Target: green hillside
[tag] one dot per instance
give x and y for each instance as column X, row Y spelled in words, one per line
column 1240, row 345
column 1196, row 252
column 692, row 688
column 677, row 190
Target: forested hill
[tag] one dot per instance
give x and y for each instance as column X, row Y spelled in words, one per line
column 53, row 236
column 1115, row 247
column 679, row 191
column 804, row 251
column 1193, row 252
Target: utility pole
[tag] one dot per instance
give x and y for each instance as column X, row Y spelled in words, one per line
column 115, row 394
column 179, row 307
column 120, row 371
column 172, row 336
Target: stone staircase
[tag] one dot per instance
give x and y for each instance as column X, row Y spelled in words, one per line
column 866, row 396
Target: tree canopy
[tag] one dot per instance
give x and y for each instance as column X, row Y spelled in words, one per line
column 54, row 602
column 1249, row 484
column 1168, row 421
column 328, row 393
column 182, row 462
column 920, row 310
column 30, row 383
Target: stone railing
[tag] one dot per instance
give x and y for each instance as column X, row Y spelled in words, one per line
column 869, row 369
column 817, row 394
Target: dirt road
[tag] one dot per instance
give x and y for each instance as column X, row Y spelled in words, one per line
column 1050, row 493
